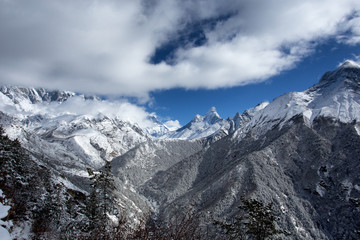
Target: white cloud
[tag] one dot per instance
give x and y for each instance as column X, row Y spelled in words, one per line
column 172, row 125
column 105, row 46
column 79, row 106
column 352, row 26
column 122, row 110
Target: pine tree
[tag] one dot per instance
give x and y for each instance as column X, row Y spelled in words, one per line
column 255, row 221
column 34, row 195
column 101, row 201
column 260, row 219
column 107, row 187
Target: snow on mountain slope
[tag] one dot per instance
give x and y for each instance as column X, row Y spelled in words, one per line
column 200, row 126
column 280, row 152
column 33, row 95
column 73, row 143
column 212, row 126
column 4, row 234
column 141, row 163
column 56, row 107
column 241, row 119
column 51, row 124
column 67, row 135
column 300, row 152
column 158, row 128
column 336, row 96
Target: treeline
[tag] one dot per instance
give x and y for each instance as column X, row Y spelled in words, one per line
column 53, row 211
column 38, row 201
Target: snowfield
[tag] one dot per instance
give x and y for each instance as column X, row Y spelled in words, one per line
column 4, row 234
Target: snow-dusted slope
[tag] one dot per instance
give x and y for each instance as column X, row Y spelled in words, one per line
column 91, row 139
column 300, row 152
column 200, row 126
column 336, row 96
column 212, row 126
column 49, row 124
column 240, row 120
column 4, row 234
column 158, row 128
column 32, row 95
column 141, row 163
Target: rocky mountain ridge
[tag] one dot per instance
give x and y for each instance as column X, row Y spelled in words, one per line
column 299, row 152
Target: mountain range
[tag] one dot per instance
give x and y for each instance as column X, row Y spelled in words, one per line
column 299, row 152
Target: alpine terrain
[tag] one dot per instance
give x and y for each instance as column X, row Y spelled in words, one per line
column 92, row 175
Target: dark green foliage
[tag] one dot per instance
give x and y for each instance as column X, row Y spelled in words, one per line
column 15, row 176
column 101, row 201
column 182, row 226
column 34, row 197
column 37, row 197
column 259, row 219
column 255, row 221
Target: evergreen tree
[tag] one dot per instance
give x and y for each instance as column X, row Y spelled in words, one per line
column 92, row 208
column 260, row 219
column 48, row 219
column 101, row 201
column 34, row 195
column 255, row 221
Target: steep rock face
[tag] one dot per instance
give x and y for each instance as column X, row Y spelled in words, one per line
column 212, row 126
column 141, row 163
column 241, row 120
column 50, row 127
column 200, row 126
column 66, row 144
column 76, row 141
column 46, row 204
column 300, row 152
column 335, row 96
column 33, row 95
column 310, row 174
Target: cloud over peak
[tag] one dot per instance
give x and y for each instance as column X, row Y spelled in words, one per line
column 134, row 47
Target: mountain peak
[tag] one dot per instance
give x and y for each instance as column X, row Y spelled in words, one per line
column 35, row 95
column 237, row 115
column 197, row 118
column 212, row 112
column 349, row 64
column 212, row 116
column 212, row 109
column 348, row 71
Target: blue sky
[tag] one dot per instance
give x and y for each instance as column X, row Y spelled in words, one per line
column 176, row 58
column 183, row 105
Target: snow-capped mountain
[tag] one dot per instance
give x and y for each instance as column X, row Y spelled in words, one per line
column 49, row 123
column 211, row 125
column 65, row 134
column 336, row 96
column 239, row 120
column 56, row 107
column 300, row 152
column 158, row 128
column 142, row 162
column 200, row 126
column 32, row 95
